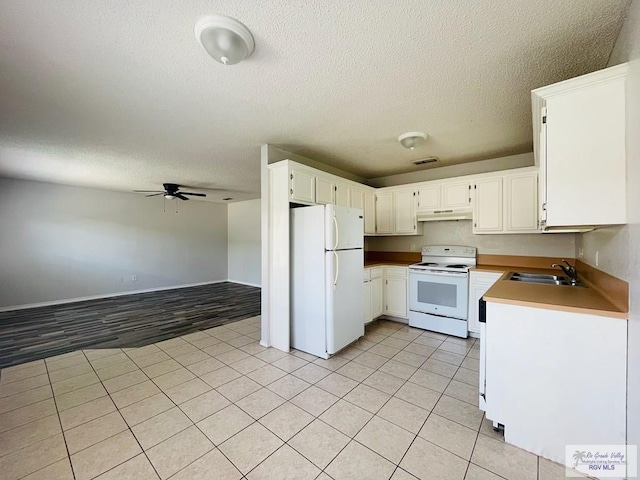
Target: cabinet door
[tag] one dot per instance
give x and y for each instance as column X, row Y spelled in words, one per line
column 384, row 212
column 376, row 297
column 369, row 213
column 479, row 283
column 521, row 198
column 324, row 190
column 342, row 195
column 429, row 197
column 585, row 155
column 303, row 187
column 404, row 202
column 396, row 298
column 487, row 207
column 357, row 198
column 367, row 301
column 455, row 195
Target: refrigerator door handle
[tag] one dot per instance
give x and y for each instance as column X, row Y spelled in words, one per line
column 335, row 280
column 335, row 223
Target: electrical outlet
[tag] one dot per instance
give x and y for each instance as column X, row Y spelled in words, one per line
column 134, row 278
column 581, row 253
column 120, row 279
column 413, row 247
column 597, row 258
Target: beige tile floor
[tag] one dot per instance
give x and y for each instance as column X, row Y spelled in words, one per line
column 401, row 403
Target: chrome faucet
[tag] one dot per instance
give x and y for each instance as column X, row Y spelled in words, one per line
column 569, row 270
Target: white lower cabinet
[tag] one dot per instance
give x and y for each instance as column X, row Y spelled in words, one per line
column 555, row 378
column 367, row 299
column 385, row 292
column 372, row 293
column 395, row 292
column 479, row 283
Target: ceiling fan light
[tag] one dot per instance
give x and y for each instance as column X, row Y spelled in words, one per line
column 411, row 140
column 168, row 196
column 225, row 39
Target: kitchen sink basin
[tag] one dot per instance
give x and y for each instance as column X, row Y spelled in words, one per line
column 542, row 279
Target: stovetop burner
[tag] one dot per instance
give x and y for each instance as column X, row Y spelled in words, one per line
column 457, row 259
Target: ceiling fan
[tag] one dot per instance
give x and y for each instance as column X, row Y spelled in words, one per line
column 171, row 191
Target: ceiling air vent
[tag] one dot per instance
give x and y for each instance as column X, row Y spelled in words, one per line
column 424, row 161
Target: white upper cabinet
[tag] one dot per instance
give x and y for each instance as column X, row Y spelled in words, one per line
column 506, row 202
column 303, row 186
column 429, row 197
column 384, row 212
column 456, row 195
column 501, row 202
column 325, row 190
column 342, row 195
column 521, row 202
column 404, row 205
column 580, row 125
column 396, row 212
column 487, row 205
column 369, row 212
column 444, row 195
column 357, row 198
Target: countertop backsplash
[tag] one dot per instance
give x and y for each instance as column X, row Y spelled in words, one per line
column 459, row 233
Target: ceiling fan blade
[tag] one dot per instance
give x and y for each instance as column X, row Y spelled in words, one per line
column 149, row 191
column 155, row 194
column 194, row 194
column 180, row 196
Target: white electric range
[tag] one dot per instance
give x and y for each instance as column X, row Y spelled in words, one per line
column 439, row 289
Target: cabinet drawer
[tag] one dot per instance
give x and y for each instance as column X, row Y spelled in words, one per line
column 396, row 271
column 484, row 278
column 367, row 274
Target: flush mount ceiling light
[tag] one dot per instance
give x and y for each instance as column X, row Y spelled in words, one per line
column 411, row 140
column 224, row 38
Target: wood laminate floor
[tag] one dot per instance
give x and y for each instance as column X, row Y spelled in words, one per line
column 124, row 321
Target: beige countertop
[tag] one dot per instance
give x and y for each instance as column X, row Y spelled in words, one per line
column 585, row 299
column 380, row 263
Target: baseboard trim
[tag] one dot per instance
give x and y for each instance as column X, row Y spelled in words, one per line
column 249, row 284
column 107, row 295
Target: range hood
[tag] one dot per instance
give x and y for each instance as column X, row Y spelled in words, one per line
column 441, row 215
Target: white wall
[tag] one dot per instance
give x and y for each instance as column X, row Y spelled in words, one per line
column 243, row 245
column 59, row 242
column 619, row 247
column 459, row 233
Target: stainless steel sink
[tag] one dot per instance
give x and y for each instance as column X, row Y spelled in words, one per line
column 542, row 279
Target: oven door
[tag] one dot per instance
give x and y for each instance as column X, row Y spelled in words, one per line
column 445, row 294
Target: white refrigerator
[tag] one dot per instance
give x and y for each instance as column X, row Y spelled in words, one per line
column 327, row 266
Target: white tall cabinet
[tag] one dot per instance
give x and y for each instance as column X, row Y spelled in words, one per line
column 579, row 144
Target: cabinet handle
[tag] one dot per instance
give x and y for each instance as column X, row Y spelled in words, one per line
column 291, row 191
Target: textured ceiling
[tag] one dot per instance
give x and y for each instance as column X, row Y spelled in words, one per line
column 119, row 95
